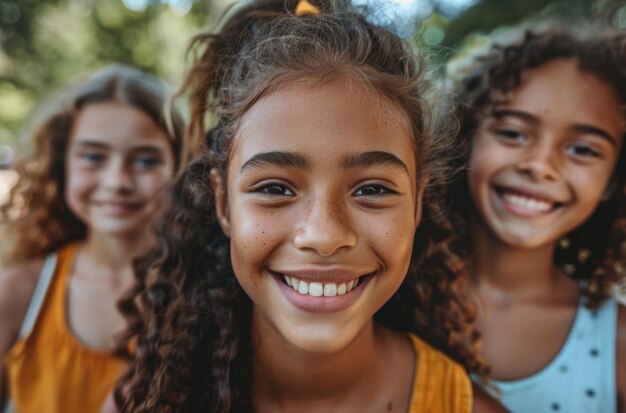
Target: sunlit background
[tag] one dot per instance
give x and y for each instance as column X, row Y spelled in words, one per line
column 47, row 45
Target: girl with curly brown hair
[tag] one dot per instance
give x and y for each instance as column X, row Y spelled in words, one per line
column 289, row 275
column 543, row 123
column 78, row 215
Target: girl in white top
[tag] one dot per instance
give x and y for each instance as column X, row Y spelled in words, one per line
column 543, row 125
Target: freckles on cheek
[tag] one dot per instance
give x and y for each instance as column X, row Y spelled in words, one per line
column 395, row 238
column 251, row 242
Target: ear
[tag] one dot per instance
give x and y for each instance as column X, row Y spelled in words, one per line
column 419, row 198
column 221, row 201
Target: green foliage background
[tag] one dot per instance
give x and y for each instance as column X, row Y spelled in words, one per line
column 47, row 45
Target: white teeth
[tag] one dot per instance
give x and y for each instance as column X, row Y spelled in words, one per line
column 527, row 203
column 317, row 289
column 330, row 290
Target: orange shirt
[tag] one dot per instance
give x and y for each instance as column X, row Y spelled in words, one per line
column 50, row 371
column 440, row 384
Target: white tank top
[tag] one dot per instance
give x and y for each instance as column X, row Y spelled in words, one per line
column 581, row 378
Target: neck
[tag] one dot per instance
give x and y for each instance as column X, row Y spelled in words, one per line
column 512, row 271
column 292, row 376
column 109, row 256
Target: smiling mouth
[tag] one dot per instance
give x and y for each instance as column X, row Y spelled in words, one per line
column 526, row 203
column 321, row 289
column 118, row 208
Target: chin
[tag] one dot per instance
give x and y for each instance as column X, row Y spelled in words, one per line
column 523, row 241
column 320, row 340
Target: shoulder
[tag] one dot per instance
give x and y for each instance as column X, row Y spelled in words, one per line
column 436, row 370
column 445, row 373
column 17, row 284
column 484, row 403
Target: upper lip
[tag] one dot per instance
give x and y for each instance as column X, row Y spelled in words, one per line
column 322, row 275
column 539, row 194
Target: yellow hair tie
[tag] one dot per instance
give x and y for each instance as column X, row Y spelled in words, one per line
column 304, row 7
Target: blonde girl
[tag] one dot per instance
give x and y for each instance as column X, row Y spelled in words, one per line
column 80, row 212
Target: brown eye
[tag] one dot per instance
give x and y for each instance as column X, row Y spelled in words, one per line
column 510, row 134
column 276, row 190
column 582, row 150
column 373, row 190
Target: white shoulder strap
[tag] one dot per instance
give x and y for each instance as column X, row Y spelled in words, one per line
column 38, row 295
column 8, row 407
column 34, row 308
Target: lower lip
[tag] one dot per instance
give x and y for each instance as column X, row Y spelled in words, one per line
column 322, row 304
column 116, row 210
column 518, row 210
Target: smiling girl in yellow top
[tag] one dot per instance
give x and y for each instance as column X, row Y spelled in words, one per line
column 289, row 275
column 81, row 211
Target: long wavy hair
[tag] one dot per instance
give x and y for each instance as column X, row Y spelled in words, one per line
column 188, row 314
column 36, row 214
column 595, row 252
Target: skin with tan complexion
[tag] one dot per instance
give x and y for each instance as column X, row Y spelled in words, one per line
column 319, row 192
column 541, row 162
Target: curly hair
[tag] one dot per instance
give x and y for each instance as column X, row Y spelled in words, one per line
column 36, row 213
column 188, row 314
column 595, row 252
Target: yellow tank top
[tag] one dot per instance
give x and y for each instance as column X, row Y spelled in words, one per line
column 440, row 384
column 50, row 371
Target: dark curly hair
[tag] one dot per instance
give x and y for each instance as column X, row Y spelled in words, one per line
column 188, row 314
column 595, row 252
column 36, row 213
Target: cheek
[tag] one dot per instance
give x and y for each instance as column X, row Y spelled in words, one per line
column 254, row 235
column 152, row 185
column 391, row 238
column 589, row 186
column 79, row 183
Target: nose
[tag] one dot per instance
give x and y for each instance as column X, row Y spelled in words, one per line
column 326, row 228
column 117, row 177
column 540, row 163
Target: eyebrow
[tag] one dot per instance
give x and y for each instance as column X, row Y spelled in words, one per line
column 91, row 144
column 580, row 128
column 100, row 145
column 373, row 158
column 297, row 160
column 503, row 113
column 277, row 158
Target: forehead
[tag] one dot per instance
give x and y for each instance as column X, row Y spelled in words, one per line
column 560, row 90
column 324, row 120
column 116, row 123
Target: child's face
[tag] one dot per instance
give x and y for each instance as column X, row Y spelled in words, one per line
column 321, row 189
column 118, row 161
column 542, row 161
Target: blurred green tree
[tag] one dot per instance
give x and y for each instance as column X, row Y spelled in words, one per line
column 47, row 45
